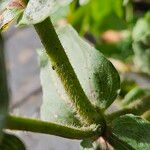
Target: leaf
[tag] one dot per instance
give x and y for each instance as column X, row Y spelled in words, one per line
column 10, row 12
column 141, row 44
column 132, row 132
column 99, row 79
column 136, row 94
column 3, row 4
column 83, row 2
column 39, row 10
column 118, row 144
column 11, row 142
column 141, row 28
column 142, row 56
column 4, row 96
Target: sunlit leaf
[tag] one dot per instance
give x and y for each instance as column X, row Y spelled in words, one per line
column 130, row 133
column 10, row 12
column 38, row 10
column 11, row 142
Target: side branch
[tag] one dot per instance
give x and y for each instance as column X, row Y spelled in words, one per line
column 137, row 108
column 38, row 126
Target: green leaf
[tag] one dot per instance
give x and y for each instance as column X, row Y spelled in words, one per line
column 39, row 10
column 11, row 142
column 142, row 56
column 135, row 94
column 118, row 144
column 9, row 12
column 132, row 133
column 4, row 96
column 98, row 77
column 141, row 29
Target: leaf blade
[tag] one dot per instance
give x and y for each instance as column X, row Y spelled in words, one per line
column 132, row 130
column 11, row 142
column 99, row 79
column 38, row 10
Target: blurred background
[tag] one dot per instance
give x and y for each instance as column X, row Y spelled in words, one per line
column 120, row 29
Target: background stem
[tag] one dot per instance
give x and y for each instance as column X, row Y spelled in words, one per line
column 4, row 94
column 137, row 108
column 32, row 125
column 62, row 66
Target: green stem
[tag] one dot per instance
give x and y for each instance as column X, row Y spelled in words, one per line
column 146, row 115
column 137, row 108
column 4, row 94
column 38, row 126
column 62, row 66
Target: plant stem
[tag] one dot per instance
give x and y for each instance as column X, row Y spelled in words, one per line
column 137, row 108
column 32, row 125
column 146, row 115
column 4, row 94
column 62, row 66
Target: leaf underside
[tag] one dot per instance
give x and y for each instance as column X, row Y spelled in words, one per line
column 99, row 79
column 38, row 10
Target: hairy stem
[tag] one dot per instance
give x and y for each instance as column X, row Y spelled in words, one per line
column 137, row 108
column 62, row 66
column 38, row 126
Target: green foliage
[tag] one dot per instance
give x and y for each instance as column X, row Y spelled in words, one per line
column 136, row 94
column 11, row 142
column 126, row 86
column 78, row 82
column 132, row 133
column 121, row 49
column 141, row 44
column 98, row 16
